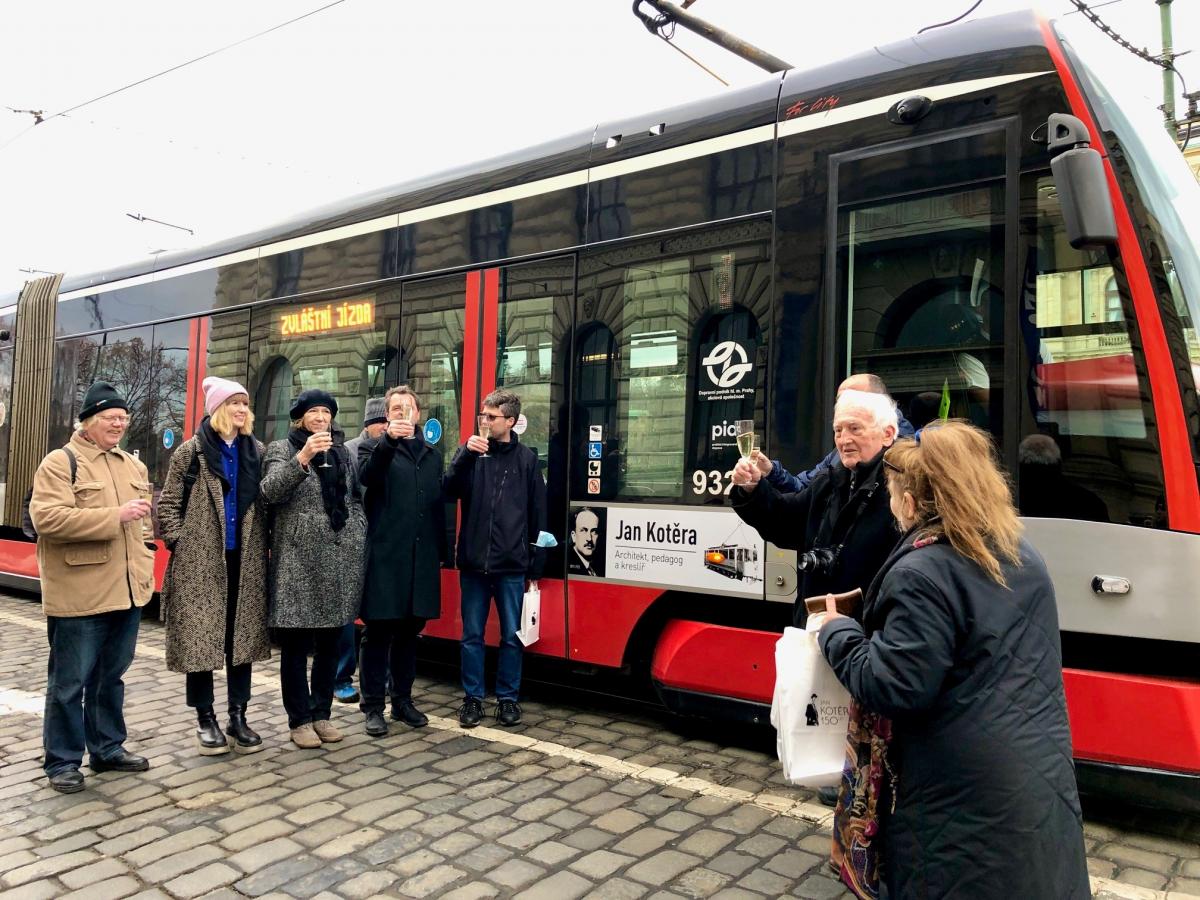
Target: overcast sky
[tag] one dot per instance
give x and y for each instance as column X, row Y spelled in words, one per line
column 372, row 92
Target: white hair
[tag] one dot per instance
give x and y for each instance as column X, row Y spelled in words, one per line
column 880, row 408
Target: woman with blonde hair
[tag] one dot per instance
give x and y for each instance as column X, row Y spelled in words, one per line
column 214, row 597
column 959, row 649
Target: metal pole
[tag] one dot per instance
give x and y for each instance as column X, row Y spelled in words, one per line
column 1168, row 57
column 747, row 51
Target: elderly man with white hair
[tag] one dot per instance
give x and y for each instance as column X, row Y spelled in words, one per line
column 840, row 522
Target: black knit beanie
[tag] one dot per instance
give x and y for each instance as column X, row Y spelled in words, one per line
column 101, row 396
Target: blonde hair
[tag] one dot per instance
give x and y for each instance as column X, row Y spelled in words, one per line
column 959, row 492
column 223, row 425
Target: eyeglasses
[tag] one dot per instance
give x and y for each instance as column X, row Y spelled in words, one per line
column 891, row 465
column 492, row 417
column 114, row 420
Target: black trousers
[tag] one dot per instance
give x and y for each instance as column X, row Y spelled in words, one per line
column 307, row 701
column 200, row 684
column 388, row 643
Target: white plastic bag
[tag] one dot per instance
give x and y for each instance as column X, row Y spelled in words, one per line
column 531, row 616
column 810, row 709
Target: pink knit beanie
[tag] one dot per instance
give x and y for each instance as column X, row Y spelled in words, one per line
column 218, row 390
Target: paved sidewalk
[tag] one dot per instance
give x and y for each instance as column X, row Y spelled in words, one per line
column 573, row 803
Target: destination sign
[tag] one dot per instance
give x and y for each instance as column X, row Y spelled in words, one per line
column 341, row 315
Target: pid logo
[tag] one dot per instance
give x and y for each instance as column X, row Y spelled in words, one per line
column 726, row 429
column 723, row 371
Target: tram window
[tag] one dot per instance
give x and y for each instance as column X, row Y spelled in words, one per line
column 650, row 316
column 228, row 334
column 742, row 180
column 314, row 344
column 273, row 399
column 923, row 279
column 490, row 231
column 167, row 397
column 534, row 312
column 431, row 347
column 1087, row 450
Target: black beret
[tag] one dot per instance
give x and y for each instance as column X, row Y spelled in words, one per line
column 310, row 398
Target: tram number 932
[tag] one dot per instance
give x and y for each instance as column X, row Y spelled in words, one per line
column 713, row 482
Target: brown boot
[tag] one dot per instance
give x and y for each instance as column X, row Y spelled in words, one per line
column 326, row 732
column 305, row 737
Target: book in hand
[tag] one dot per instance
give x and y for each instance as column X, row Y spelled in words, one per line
column 845, row 603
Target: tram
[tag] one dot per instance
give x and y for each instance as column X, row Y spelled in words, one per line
column 647, row 283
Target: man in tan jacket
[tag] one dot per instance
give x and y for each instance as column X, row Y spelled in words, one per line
column 97, row 572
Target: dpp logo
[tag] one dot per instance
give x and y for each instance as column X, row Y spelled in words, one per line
column 722, row 370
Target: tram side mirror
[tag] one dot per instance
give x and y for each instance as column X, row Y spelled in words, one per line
column 1080, row 182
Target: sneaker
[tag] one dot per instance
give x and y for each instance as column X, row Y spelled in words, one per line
column 508, row 713
column 304, row 737
column 375, row 725
column 406, row 712
column 470, row 713
column 345, row 693
column 326, row 732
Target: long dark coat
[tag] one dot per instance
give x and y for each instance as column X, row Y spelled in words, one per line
column 195, row 589
column 823, row 515
column 316, row 572
column 971, row 675
column 406, row 539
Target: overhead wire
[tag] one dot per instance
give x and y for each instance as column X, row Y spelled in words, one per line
column 1141, row 53
column 41, row 119
column 952, row 21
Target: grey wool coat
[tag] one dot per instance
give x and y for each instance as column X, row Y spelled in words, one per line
column 195, row 588
column 316, row 574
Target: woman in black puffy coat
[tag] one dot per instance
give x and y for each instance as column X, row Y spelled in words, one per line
column 960, row 648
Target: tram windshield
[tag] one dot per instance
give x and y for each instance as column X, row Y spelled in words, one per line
column 1168, row 188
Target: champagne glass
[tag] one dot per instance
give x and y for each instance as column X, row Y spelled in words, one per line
column 325, row 453
column 485, row 431
column 406, row 414
column 744, row 429
column 145, row 491
column 755, row 451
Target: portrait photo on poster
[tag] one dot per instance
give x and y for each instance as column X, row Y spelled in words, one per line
column 585, row 541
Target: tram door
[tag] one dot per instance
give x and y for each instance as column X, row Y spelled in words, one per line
column 462, row 337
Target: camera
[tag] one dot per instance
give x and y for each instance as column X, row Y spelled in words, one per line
column 819, row 560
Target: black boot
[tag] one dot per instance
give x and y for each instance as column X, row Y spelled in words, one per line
column 208, row 734
column 244, row 740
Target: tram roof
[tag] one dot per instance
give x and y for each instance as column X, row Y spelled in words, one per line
column 993, row 37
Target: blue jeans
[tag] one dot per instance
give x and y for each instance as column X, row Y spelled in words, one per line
column 85, row 696
column 477, row 592
column 347, row 660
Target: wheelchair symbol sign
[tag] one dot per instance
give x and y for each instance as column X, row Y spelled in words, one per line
column 594, row 450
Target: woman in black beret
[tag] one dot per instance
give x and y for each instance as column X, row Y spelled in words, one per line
column 318, row 546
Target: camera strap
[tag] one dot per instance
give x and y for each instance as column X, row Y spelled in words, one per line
column 861, row 499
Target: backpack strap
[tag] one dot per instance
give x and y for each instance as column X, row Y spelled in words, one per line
column 189, row 480
column 73, row 461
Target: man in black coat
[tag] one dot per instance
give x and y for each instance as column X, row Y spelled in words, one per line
column 406, row 543
column 503, row 512
column 841, row 522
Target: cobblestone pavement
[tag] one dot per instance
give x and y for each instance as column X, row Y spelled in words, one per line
column 573, row 803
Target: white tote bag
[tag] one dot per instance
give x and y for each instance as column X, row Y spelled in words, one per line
column 531, row 617
column 810, row 709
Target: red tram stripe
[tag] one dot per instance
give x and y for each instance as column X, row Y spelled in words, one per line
column 193, row 385
column 489, row 346
column 470, row 357
column 1179, row 473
